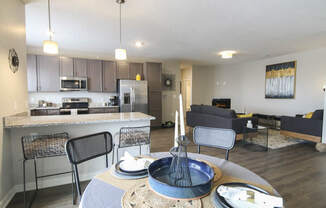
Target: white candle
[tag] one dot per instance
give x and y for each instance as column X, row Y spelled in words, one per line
column 182, row 123
column 176, row 129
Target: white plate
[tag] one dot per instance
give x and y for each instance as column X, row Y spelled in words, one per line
column 243, row 204
column 125, row 177
column 135, row 166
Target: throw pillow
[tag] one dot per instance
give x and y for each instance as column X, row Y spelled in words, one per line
column 245, row 115
column 308, row 115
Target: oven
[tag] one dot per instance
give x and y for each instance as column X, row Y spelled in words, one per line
column 74, row 104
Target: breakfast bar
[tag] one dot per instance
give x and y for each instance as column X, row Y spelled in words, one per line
column 75, row 125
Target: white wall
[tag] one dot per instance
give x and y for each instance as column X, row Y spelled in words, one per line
column 13, row 87
column 245, row 84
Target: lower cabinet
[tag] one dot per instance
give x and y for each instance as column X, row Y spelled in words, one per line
column 45, row 112
column 103, row 110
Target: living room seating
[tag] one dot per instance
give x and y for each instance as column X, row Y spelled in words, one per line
column 303, row 128
column 211, row 116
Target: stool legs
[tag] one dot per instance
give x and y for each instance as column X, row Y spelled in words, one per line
column 24, row 181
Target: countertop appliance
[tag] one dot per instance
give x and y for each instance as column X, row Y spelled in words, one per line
column 113, row 101
column 79, row 104
column 133, row 96
column 73, row 84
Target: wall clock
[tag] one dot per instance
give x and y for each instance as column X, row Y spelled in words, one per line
column 13, row 60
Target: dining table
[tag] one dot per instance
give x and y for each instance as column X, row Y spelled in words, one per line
column 100, row 193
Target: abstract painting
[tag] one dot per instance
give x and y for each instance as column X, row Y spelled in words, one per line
column 280, row 80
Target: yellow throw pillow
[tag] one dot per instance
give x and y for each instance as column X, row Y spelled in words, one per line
column 249, row 115
column 308, row 115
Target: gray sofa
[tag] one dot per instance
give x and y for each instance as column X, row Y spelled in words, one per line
column 211, row 116
column 303, row 128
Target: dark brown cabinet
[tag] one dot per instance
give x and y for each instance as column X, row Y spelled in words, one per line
column 80, row 67
column 31, row 73
column 109, row 76
column 48, row 73
column 152, row 73
column 66, row 67
column 122, row 70
column 94, row 74
column 134, row 69
column 104, row 110
column 45, row 112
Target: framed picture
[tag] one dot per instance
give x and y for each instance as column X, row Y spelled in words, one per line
column 280, row 80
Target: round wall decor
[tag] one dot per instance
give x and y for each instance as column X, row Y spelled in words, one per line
column 13, row 60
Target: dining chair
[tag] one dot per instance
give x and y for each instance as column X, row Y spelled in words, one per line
column 37, row 147
column 134, row 136
column 214, row 137
column 84, row 148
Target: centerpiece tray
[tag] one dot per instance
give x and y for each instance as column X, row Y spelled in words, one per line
column 201, row 175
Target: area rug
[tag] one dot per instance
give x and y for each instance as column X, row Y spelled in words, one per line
column 276, row 140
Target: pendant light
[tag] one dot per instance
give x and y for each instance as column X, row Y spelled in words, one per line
column 120, row 53
column 50, row 46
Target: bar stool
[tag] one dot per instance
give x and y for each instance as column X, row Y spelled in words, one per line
column 42, row 146
column 134, row 136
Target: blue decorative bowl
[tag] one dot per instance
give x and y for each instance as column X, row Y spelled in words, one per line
column 201, row 175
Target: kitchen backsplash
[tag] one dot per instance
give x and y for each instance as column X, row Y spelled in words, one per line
column 96, row 99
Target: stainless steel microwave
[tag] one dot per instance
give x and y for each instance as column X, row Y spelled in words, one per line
column 73, row 84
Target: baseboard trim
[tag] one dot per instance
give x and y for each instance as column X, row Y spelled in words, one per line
column 44, row 183
column 301, row 136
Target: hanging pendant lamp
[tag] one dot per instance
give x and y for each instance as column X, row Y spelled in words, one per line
column 120, row 53
column 50, row 46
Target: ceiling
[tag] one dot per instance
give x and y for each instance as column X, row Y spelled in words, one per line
column 190, row 31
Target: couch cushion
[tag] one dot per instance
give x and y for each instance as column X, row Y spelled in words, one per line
column 212, row 110
column 318, row 115
column 196, row 108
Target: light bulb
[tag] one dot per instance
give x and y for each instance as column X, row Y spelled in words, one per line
column 227, row 54
column 120, row 54
column 50, row 47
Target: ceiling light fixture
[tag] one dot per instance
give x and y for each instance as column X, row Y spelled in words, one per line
column 50, row 46
column 139, row 44
column 227, row 54
column 120, row 53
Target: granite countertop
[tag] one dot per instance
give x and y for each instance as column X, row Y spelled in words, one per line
column 45, row 108
column 38, row 121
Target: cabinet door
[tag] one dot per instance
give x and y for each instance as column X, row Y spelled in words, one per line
column 155, row 107
column 80, row 67
column 53, row 112
column 153, row 73
column 122, row 70
column 109, row 76
column 94, row 74
column 31, row 73
column 66, row 67
column 48, row 73
column 134, row 69
column 96, row 110
column 112, row 110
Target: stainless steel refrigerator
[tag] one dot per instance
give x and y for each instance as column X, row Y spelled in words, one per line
column 133, row 96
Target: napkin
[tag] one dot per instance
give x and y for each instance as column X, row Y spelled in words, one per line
column 131, row 163
column 255, row 197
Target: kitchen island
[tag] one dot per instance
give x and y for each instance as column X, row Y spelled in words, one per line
column 75, row 125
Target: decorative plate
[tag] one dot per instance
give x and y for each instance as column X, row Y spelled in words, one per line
column 141, row 196
column 13, row 60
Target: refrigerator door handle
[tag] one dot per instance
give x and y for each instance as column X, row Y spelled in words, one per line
column 131, row 99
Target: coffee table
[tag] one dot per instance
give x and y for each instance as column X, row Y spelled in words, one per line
column 256, row 138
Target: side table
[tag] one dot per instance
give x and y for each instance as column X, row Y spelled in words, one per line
column 256, row 138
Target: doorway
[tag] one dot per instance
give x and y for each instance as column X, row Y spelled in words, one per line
column 186, row 87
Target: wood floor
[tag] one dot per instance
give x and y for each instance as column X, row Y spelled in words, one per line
column 297, row 172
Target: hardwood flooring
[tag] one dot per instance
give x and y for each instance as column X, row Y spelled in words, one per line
column 297, row 172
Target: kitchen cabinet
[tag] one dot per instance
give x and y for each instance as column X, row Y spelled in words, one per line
column 109, row 76
column 122, row 70
column 94, row 74
column 134, row 69
column 31, row 73
column 153, row 73
column 103, row 110
column 66, row 67
column 48, row 73
column 80, row 67
column 155, row 107
column 45, row 112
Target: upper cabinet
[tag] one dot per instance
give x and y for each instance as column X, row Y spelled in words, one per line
column 80, row 67
column 134, row 69
column 31, row 73
column 66, row 67
column 152, row 73
column 109, row 76
column 122, row 70
column 94, row 74
column 48, row 73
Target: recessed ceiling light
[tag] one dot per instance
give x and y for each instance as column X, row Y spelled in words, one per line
column 139, row 44
column 227, row 54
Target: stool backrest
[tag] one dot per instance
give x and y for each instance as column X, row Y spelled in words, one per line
column 88, row 147
column 215, row 137
column 132, row 136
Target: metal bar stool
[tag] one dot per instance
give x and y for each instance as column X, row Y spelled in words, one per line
column 42, row 146
column 134, row 136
